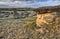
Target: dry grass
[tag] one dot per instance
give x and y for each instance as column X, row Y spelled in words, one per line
column 27, row 29
column 14, row 28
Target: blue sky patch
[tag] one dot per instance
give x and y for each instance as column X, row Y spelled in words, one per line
column 29, row 3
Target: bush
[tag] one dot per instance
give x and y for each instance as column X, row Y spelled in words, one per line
column 31, row 25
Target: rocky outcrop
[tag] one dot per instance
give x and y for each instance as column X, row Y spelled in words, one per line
column 16, row 15
column 46, row 15
column 47, row 18
column 24, row 14
column 3, row 14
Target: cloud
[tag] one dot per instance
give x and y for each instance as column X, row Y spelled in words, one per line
column 29, row 3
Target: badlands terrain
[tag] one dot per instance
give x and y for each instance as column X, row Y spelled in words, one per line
column 44, row 24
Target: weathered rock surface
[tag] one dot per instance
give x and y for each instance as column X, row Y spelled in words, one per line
column 20, row 14
column 47, row 18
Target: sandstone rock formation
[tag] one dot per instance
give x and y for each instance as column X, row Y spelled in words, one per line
column 47, row 15
column 46, row 18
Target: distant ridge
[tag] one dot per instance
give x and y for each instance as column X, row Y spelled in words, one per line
column 47, row 9
column 40, row 9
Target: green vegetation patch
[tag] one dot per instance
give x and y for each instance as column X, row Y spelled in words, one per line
column 31, row 25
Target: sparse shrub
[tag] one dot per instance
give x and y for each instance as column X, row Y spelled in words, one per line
column 31, row 25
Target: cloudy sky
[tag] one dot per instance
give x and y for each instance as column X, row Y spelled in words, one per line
column 29, row 3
